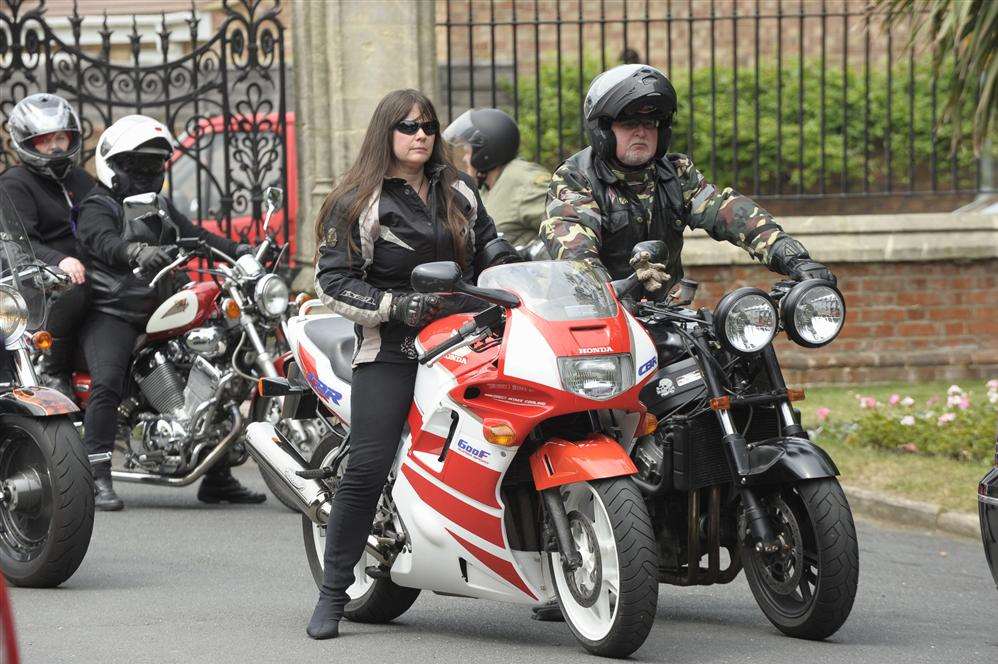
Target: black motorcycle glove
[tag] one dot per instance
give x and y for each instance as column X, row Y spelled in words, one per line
column 416, row 309
column 148, row 258
column 243, row 249
column 789, row 257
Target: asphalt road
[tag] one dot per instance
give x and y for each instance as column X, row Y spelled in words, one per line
column 171, row 580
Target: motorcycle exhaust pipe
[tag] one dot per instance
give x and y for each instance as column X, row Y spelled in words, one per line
column 279, row 457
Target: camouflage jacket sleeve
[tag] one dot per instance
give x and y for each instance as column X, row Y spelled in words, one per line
column 572, row 230
column 725, row 214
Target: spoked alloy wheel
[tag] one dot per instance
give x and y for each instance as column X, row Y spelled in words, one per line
column 807, row 588
column 371, row 600
column 609, row 601
column 46, row 500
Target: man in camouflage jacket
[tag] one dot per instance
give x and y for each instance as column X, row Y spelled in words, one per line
column 625, row 188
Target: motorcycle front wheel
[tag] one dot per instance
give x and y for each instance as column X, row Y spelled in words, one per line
column 372, row 600
column 609, row 602
column 46, row 500
column 807, row 589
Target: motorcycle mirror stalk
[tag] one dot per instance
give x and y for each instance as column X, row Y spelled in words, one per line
column 446, row 277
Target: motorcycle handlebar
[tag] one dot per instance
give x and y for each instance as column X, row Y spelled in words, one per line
column 463, row 333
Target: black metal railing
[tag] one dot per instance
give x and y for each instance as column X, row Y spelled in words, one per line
column 810, row 101
column 222, row 95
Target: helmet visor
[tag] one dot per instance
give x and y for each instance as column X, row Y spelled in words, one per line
column 461, row 131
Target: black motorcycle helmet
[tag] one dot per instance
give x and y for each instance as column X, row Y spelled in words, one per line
column 40, row 114
column 628, row 91
column 493, row 136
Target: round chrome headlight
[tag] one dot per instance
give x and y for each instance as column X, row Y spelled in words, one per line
column 745, row 320
column 813, row 313
column 13, row 313
column 271, row 295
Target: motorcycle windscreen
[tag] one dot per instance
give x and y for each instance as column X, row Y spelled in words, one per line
column 555, row 290
column 23, row 302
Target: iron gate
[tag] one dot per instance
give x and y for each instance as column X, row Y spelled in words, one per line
column 223, row 97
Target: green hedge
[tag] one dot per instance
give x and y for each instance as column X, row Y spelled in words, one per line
column 852, row 119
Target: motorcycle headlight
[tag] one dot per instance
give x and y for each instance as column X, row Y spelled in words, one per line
column 271, row 295
column 597, row 377
column 813, row 313
column 745, row 320
column 13, row 313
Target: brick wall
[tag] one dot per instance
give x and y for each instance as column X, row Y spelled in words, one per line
column 905, row 321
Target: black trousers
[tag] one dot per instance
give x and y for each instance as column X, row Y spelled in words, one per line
column 68, row 311
column 381, row 394
column 107, row 343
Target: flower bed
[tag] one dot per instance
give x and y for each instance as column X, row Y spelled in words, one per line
column 960, row 424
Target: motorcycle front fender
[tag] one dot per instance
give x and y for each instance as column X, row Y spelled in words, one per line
column 558, row 462
column 788, row 460
column 36, row 402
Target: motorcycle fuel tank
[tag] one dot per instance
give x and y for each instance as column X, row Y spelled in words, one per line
column 183, row 310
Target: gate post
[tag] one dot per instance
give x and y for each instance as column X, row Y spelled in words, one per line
column 347, row 55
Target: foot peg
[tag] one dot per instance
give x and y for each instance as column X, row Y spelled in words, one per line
column 316, row 474
column 378, row 572
column 100, row 457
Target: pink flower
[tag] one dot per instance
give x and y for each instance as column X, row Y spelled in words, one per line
column 894, row 400
column 946, row 417
column 908, row 421
column 954, row 389
column 867, row 402
column 907, row 402
column 964, row 403
column 993, row 384
column 992, row 397
column 931, row 401
column 823, row 413
column 954, row 400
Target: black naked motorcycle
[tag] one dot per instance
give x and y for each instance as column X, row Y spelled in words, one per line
column 46, row 484
column 730, row 472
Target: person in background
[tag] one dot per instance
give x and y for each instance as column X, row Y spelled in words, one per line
column 46, row 188
column 514, row 191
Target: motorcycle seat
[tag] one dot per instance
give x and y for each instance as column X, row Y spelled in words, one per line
column 334, row 336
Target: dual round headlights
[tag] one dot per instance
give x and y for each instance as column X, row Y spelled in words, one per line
column 746, row 319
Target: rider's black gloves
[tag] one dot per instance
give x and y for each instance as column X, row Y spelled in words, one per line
column 148, row 258
column 416, row 309
column 243, row 249
column 789, row 257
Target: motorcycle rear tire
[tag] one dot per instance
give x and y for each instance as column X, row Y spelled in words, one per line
column 830, row 563
column 68, row 494
column 383, row 600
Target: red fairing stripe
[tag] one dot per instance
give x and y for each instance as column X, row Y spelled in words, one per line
column 503, row 568
column 483, row 524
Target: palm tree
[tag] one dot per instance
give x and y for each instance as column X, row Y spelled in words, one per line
column 969, row 30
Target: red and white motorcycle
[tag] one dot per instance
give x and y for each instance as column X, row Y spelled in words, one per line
column 513, row 476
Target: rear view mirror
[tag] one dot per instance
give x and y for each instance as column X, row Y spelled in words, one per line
column 438, row 277
column 273, row 197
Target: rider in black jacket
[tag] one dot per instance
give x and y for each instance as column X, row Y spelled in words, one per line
column 131, row 156
column 400, row 205
column 46, row 189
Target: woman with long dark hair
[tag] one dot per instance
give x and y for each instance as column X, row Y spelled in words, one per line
column 401, row 204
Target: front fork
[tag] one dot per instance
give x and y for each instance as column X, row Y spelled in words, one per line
column 734, row 442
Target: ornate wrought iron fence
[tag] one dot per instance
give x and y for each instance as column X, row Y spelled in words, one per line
column 223, row 97
column 799, row 100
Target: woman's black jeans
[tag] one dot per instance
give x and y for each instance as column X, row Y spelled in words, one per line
column 381, row 394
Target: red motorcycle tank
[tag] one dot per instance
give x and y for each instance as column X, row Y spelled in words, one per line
column 186, row 309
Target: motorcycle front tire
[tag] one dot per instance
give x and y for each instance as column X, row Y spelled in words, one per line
column 43, row 544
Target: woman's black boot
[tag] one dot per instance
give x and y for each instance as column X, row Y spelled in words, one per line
column 325, row 622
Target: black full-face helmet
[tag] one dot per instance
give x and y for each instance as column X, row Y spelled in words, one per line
column 40, row 114
column 628, row 91
column 493, row 136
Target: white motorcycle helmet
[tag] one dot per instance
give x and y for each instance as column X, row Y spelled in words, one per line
column 128, row 152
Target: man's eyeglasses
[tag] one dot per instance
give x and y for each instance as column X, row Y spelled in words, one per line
column 410, row 127
column 633, row 123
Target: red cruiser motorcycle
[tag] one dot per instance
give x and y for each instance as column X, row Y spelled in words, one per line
column 200, row 357
column 513, row 479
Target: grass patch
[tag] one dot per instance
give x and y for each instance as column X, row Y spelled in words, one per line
column 946, row 482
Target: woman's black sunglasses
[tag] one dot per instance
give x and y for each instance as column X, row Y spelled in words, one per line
column 410, row 127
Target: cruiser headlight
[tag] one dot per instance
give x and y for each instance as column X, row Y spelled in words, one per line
column 597, row 377
column 271, row 295
column 13, row 313
column 813, row 313
column 745, row 320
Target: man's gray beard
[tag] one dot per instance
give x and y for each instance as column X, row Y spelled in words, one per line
column 634, row 160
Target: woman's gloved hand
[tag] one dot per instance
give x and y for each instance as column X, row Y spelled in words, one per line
column 651, row 275
column 148, row 258
column 243, row 249
column 417, row 309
